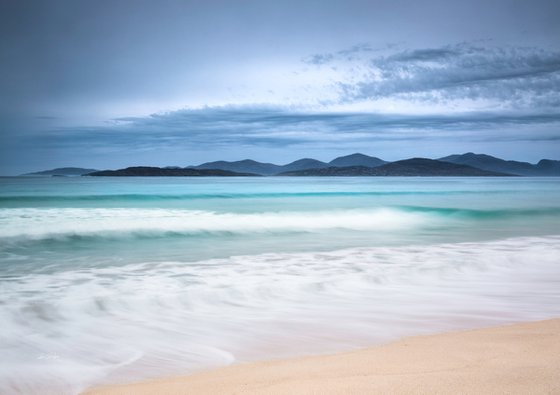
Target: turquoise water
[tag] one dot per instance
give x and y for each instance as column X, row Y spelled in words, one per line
column 112, row 279
column 61, row 220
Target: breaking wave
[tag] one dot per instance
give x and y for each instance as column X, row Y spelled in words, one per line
column 76, row 223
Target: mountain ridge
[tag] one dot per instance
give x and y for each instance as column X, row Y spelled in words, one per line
column 147, row 171
column 357, row 159
column 62, row 171
column 352, row 165
column 267, row 169
column 414, row 167
column 243, row 166
column 491, row 163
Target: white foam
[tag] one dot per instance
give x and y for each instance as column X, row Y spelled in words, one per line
column 52, row 222
column 68, row 330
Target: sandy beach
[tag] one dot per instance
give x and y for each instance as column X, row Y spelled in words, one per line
column 515, row 359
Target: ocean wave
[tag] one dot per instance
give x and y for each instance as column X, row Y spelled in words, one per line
column 107, row 222
column 485, row 214
column 67, row 330
column 141, row 197
column 84, row 223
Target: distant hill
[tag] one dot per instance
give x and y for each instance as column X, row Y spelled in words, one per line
column 301, row 164
column 143, row 171
column 357, row 160
column 548, row 167
column 545, row 167
column 242, row 166
column 416, row 167
column 267, row 169
column 357, row 164
column 62, row 171
column 348, row 171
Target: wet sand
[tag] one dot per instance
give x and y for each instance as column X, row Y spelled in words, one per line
column 516, row 359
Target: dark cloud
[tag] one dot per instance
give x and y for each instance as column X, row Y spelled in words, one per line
column 248, row 121
column 423, row 55
column 229, row 131
column 518, row 76
column 265, row 126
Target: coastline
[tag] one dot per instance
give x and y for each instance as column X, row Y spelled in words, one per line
column 514, row 359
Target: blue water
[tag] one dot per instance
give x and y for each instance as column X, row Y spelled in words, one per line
column 116, row 279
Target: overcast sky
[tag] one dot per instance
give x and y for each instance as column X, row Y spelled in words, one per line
column 109, row 84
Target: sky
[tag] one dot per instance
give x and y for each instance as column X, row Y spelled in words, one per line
column 111, row 84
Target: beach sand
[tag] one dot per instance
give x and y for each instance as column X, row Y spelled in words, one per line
column 517, row 359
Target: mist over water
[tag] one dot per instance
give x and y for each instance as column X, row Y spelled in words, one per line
column 107, row 280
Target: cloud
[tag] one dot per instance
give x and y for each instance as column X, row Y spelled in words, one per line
column 518, row 77
column 424, row 55
column 349, row 54
column 277, row 127
column 522, row 85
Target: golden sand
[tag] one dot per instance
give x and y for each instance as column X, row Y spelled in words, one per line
column 516, row 359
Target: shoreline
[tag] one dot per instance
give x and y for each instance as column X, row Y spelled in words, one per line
column 519, row 358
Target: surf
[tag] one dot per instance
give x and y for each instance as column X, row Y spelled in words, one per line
column 76, row 327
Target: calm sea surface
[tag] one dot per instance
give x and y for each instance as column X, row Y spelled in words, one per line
column 118, row 279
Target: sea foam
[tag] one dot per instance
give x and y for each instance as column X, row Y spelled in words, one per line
column 39, row 223
column 47, row 223
column 71, row 329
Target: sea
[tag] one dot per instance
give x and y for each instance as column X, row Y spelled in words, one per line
column 108, row 280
